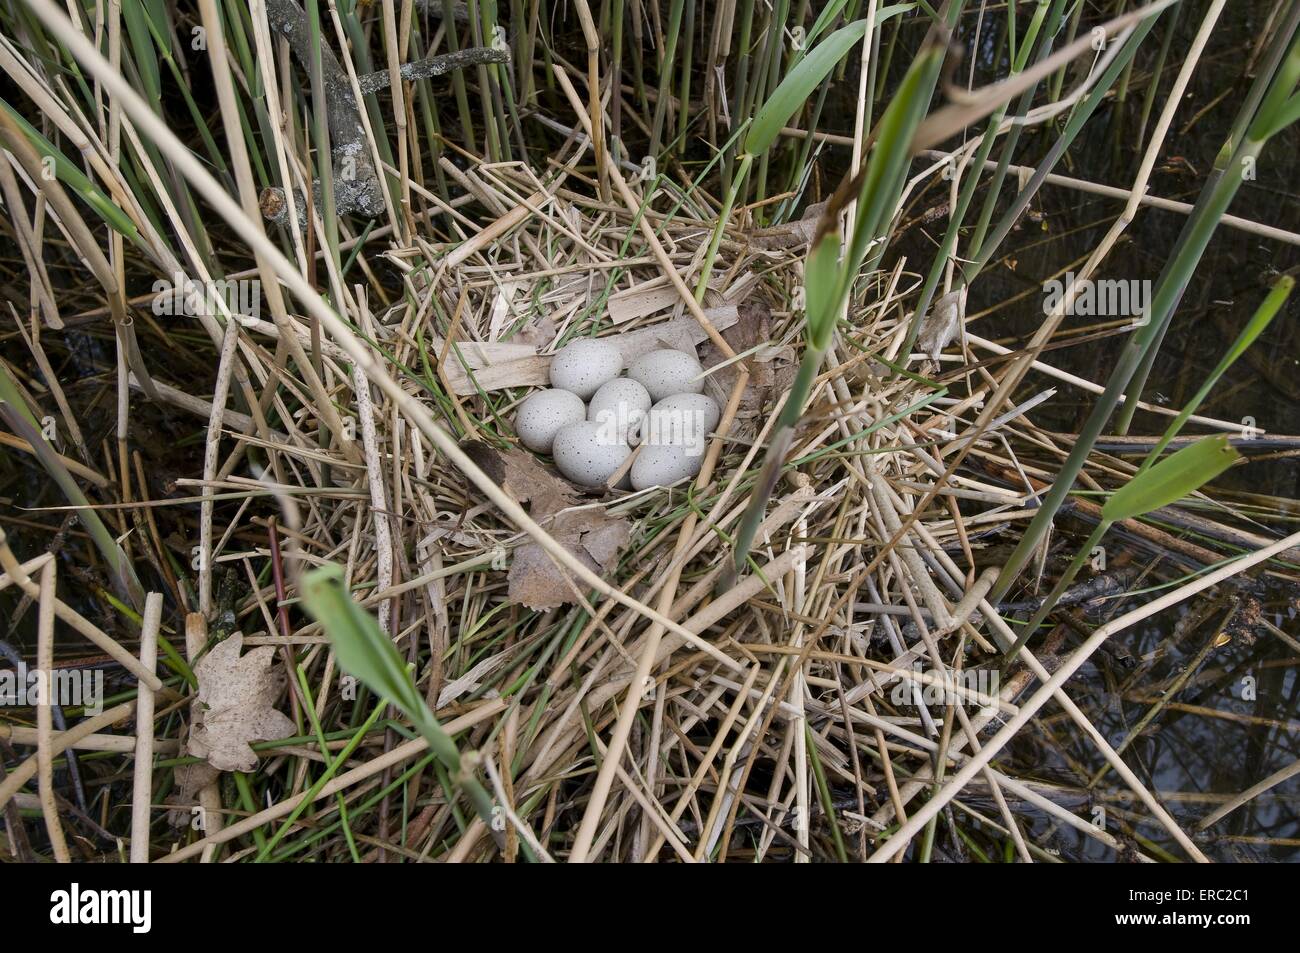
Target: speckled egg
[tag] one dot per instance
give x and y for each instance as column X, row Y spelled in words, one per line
column 586, row 453
column 664, row 464
column 620, row 404
column 581, row 366
column 541, row 416
column 664, row 373
column 685, row 419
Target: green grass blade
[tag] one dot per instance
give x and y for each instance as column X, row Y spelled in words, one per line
column 67, row 172
column 15, row 412
column 798, row 85
column 1260, row 320
column 827, row 16
column 363, row 650
column 821, row 272
column 824, row 20
column 1171, row 479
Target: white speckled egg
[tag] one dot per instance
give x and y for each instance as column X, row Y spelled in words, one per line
column 581, row 366
column 588, row 454
column 620, row 404
column 685, row 419
column 541, row 416
column 664, row 464
column 664, row 373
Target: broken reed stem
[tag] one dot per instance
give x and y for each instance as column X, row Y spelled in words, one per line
column 211, row 448
column 211, row 819
column 142, row 782
column 120, row 744
column 596, row 115
column 45, row 713
column 378, row 501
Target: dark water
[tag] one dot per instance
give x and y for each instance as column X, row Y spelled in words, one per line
column 1181, row 753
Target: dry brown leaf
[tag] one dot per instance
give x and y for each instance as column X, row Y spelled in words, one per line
column 190, row 780
column 235, row 705
column 752, row 328
column 790, row 234
column 538, row 333
column 604, row 542
column 524, row 478
column 591, row 535
column 942, row 323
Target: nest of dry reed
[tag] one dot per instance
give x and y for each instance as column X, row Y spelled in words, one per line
column 769, row 718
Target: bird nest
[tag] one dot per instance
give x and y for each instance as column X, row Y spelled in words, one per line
column 602, row 624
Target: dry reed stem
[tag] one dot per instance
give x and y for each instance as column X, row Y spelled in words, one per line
column 44, row 714
column 142, row 781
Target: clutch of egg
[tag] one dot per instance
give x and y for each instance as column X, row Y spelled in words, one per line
column 674, row 436
column 660, row 405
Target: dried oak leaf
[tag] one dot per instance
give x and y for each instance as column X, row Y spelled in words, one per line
column 594, row 537
column 539, row 332
column 190, row 780
column 941, row 324
column 527, row 481
column 790, row 234
column 236, row 695
column 591, row 535
column 753, row 327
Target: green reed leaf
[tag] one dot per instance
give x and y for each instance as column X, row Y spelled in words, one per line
column 1171, row 479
